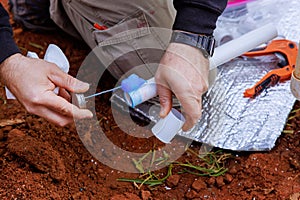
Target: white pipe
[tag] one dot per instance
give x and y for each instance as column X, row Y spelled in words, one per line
column 223, row 54
column 295, row 79
column 237, row 47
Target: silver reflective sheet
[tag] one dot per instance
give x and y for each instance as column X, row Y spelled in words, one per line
column 229, row 120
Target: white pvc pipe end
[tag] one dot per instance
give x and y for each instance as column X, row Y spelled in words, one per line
column 295, row 86
column 167, row 128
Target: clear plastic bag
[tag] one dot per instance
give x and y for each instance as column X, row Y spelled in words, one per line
column 240, row 18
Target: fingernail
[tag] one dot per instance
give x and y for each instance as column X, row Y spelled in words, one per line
column 162, row 112
column 81, row 86
column 87, row 114
column 90, row 115
column 185, row 127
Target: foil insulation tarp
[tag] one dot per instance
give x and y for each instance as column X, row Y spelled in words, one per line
column 229, row 120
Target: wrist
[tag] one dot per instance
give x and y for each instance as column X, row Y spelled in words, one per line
column 205, row 43
column 8, row 65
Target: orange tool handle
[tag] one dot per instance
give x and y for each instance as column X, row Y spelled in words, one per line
column 285, row 47
column 99, row 27
column 270, row 79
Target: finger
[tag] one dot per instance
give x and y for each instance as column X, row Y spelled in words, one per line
column 188, row 124
column 64, row 94
column 192, row 109
column 68, row 82
column 165, row 99
column 53, row 117
column 63, row 107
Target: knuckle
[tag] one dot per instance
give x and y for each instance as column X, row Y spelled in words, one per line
column 195, row 93
column 204, row 88
column 164, row 99
column 204, row 85
column 30, row 109
column 158, row 79
column 157, row 75
column 160, row 76
column 36, row 99
column 200, row 89
column 70, row 81
column 63, row 110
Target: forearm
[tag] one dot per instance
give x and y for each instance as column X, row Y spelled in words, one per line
column 8, row 46
column 198, row 16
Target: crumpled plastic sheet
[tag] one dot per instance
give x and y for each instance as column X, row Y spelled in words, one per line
column 229, row 120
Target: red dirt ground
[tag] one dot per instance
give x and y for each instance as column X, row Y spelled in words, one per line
column 42, row 161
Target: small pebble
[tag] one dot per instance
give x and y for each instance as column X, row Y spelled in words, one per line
column 211, row 181
column 191, row 194
column 64, row 138
column 173, row 180
column 228, row 178
column 199, row 185
column 220, row 181
column 146, row 195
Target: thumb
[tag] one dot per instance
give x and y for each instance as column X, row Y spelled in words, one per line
column 165, row 98
column 64, row 80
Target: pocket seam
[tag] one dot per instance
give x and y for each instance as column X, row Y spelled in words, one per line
column 114, row 36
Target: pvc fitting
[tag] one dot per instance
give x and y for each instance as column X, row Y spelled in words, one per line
column 295, row 86
column 166, row 128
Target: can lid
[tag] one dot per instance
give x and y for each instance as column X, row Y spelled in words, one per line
column 79, row 100
column 132, row 83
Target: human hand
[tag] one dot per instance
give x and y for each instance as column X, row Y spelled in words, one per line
column 32, row 81
column 184, row 71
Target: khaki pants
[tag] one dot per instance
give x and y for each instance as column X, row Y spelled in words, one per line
column 131, row 39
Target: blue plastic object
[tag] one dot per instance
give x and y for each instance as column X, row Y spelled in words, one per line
column 132, row 83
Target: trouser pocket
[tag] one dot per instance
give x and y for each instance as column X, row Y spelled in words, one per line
column 132, row 45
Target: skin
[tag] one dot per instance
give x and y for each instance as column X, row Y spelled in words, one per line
column 184, row 71
column 32, row 81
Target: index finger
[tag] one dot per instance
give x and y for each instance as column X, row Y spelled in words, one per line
column 63, row 107
column 165, row 99
column 192, row 108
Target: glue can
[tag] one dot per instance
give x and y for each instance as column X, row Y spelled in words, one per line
column 142, row 94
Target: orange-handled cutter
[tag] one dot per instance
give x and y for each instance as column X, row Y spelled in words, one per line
column 284, row 49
